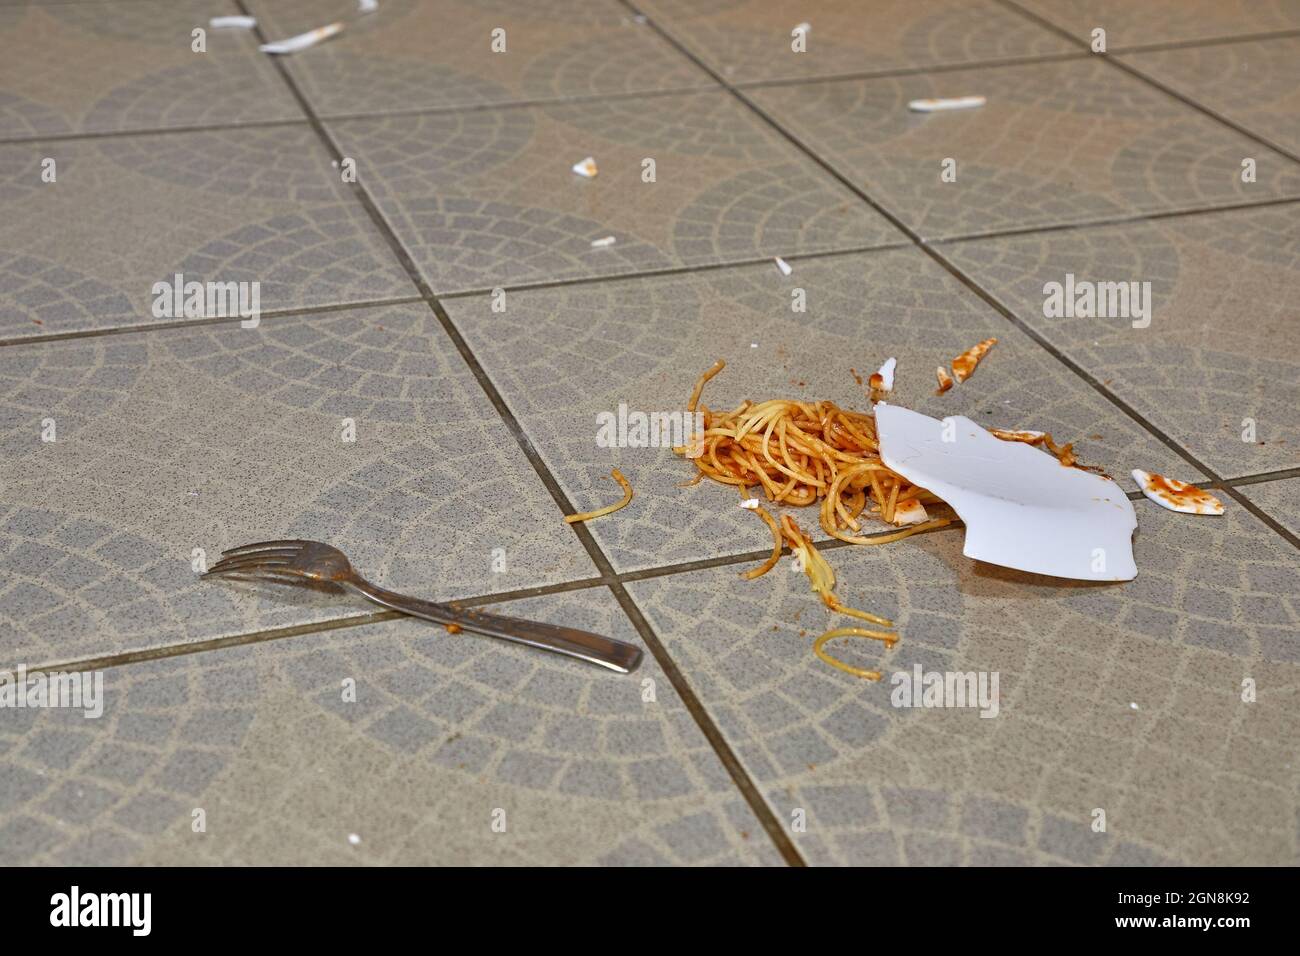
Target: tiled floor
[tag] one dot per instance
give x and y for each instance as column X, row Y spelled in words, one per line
column 438, row 336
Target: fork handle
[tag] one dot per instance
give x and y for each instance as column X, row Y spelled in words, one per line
column 569, row 641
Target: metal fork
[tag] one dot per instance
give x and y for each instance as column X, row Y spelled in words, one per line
column 317, row 565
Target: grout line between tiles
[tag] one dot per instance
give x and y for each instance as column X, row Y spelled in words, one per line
column 38, row 138
column 1264, row 476
column 1111, row 58
column 1211, row 41
column 673, row 270
column 194, row 323
column 762, row 811
column 907, row 71
column 1116, row 221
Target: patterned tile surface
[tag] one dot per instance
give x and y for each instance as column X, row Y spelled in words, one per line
column 1214, row 365
column 258, row 205
column 1191, row 775
column 1256, row 85
column 131, row 454
column 220, row 436
column 435, row 54
column 1163, row 21
column 445, row 736
column 651, row 338
column 487, row 198
column 129, row 65
column 1070, row 142
column 747, row 41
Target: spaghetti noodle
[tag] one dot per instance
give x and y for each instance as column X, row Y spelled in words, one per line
column 608, row 509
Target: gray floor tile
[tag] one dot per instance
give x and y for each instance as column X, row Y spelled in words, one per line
column 1208, row 371
column 177, row 440
column 445, row 735
column 1163, row 21
column 129, row 65
column 651, row 338
column 1214, row 603
column 432, row 54
column 1071, row 142
column 1255, row 85
column 257, row 205
column 751, row 40
column 487, row 198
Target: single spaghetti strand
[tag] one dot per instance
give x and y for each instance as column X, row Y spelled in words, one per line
column 771, row 562
column 608, row 509
column 819, row 648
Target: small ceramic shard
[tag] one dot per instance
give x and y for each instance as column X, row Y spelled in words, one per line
column 964, row 365
column 303, row 40
column 945, row 382
column 586, row 167
column 883, row 380
column 939, row 105
column 1025, row 435
column 603, row 242
column 1177, row 495
column 782, row 265
column 232, row 23
column 1021, row 508
column 750, row 503
column 909, row 512
column 367, row 6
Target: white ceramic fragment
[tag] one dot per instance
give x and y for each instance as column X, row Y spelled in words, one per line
column 750, row 503
column 586, row 167
column 1177, row 495
column 909, row 512
column 303, row 40
column 603, row 243
column 1022, row 508
column 232, row 23
column 783, row 266
column 939, row 105
column 884, row 377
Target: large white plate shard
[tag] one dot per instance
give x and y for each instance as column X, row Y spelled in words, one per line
column 1021, row 507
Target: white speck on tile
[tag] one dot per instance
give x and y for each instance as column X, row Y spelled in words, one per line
column 603, row 242
column 232, row 23
column 354, row 839
column 750, row 503
column 783, row 266
column 1133, row 705
column 586, row 167
column 951, row 103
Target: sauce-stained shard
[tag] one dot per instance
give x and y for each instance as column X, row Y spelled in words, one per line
column 964, row 365
column 910, row 512
column 945, row 381
column 586, row 167
column 1177, row 495
column 883, row 380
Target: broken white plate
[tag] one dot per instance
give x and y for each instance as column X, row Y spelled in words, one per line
column 1022, row 508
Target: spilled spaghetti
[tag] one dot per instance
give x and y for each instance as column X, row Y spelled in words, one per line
column 801, row 453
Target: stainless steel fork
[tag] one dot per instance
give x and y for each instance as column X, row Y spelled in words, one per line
column 318, row 565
